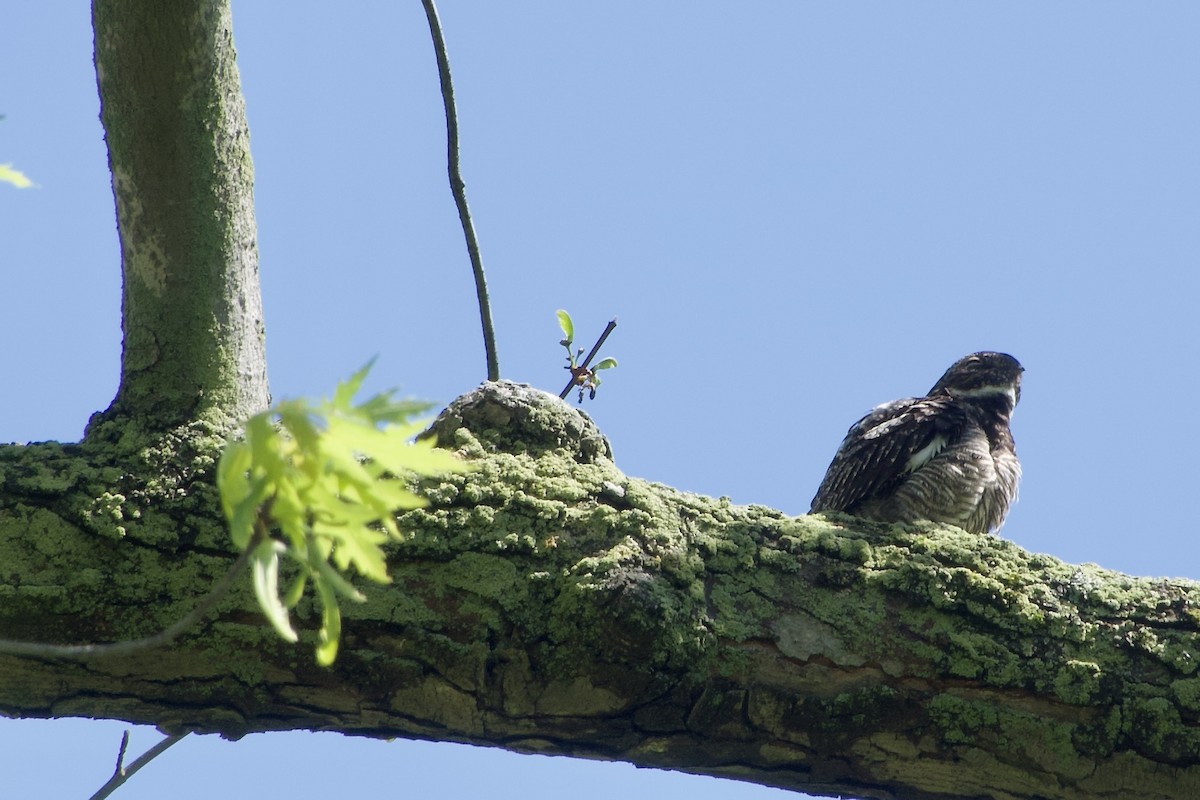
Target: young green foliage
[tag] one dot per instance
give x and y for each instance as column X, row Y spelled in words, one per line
column 568, row 328
column 17, row 179
column 326, row 480
column 582, row 375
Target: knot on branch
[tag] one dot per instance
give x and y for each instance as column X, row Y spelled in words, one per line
column 509, row 417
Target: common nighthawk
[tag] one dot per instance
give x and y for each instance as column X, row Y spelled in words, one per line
column 945, row 457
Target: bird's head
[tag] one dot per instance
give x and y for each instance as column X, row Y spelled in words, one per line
column 982, row 376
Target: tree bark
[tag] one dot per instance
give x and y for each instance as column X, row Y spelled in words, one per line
column 179, row 151
column 546, row 602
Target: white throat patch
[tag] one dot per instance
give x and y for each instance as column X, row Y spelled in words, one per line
column 990, row 391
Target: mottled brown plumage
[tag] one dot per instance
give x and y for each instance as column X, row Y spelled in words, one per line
column 946, row 457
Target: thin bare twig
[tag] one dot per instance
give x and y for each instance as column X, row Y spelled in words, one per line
column 120, row 768
column 80, row 652
column 583, row 365
column 459, row 189
column 123, row 773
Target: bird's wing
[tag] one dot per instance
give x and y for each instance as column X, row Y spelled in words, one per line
column 893, row 440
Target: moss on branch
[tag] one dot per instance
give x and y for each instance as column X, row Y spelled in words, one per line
column 546, row 602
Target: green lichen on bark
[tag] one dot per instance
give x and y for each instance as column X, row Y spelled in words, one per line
column 547, row 602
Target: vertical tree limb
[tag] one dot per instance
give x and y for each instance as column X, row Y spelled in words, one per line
column 179, row 151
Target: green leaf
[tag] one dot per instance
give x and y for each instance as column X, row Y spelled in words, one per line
column 327, row 478
column 331, row 625
column 383, row 409
column 297, row 418
column 568, row 327
column 357, row 545
column 17, row 179
column 295, row 591
column 607, row 363
column 343, row 395
column 328, row 647
column 390, row 448
column 233, row 483
column 231, row 473
column 266, row 587
column 245, row 513
column 338, row 584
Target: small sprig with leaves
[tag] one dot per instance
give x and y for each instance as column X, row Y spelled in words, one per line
column 318, row 484
column 582, row 376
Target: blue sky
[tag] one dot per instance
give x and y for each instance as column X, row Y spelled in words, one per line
column 796, row 210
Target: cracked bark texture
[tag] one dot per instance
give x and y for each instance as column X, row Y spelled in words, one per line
column 546, row 602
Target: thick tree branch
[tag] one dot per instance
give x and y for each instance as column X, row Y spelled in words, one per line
column 86, row 652
column 179, row 151
column 548, row 603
